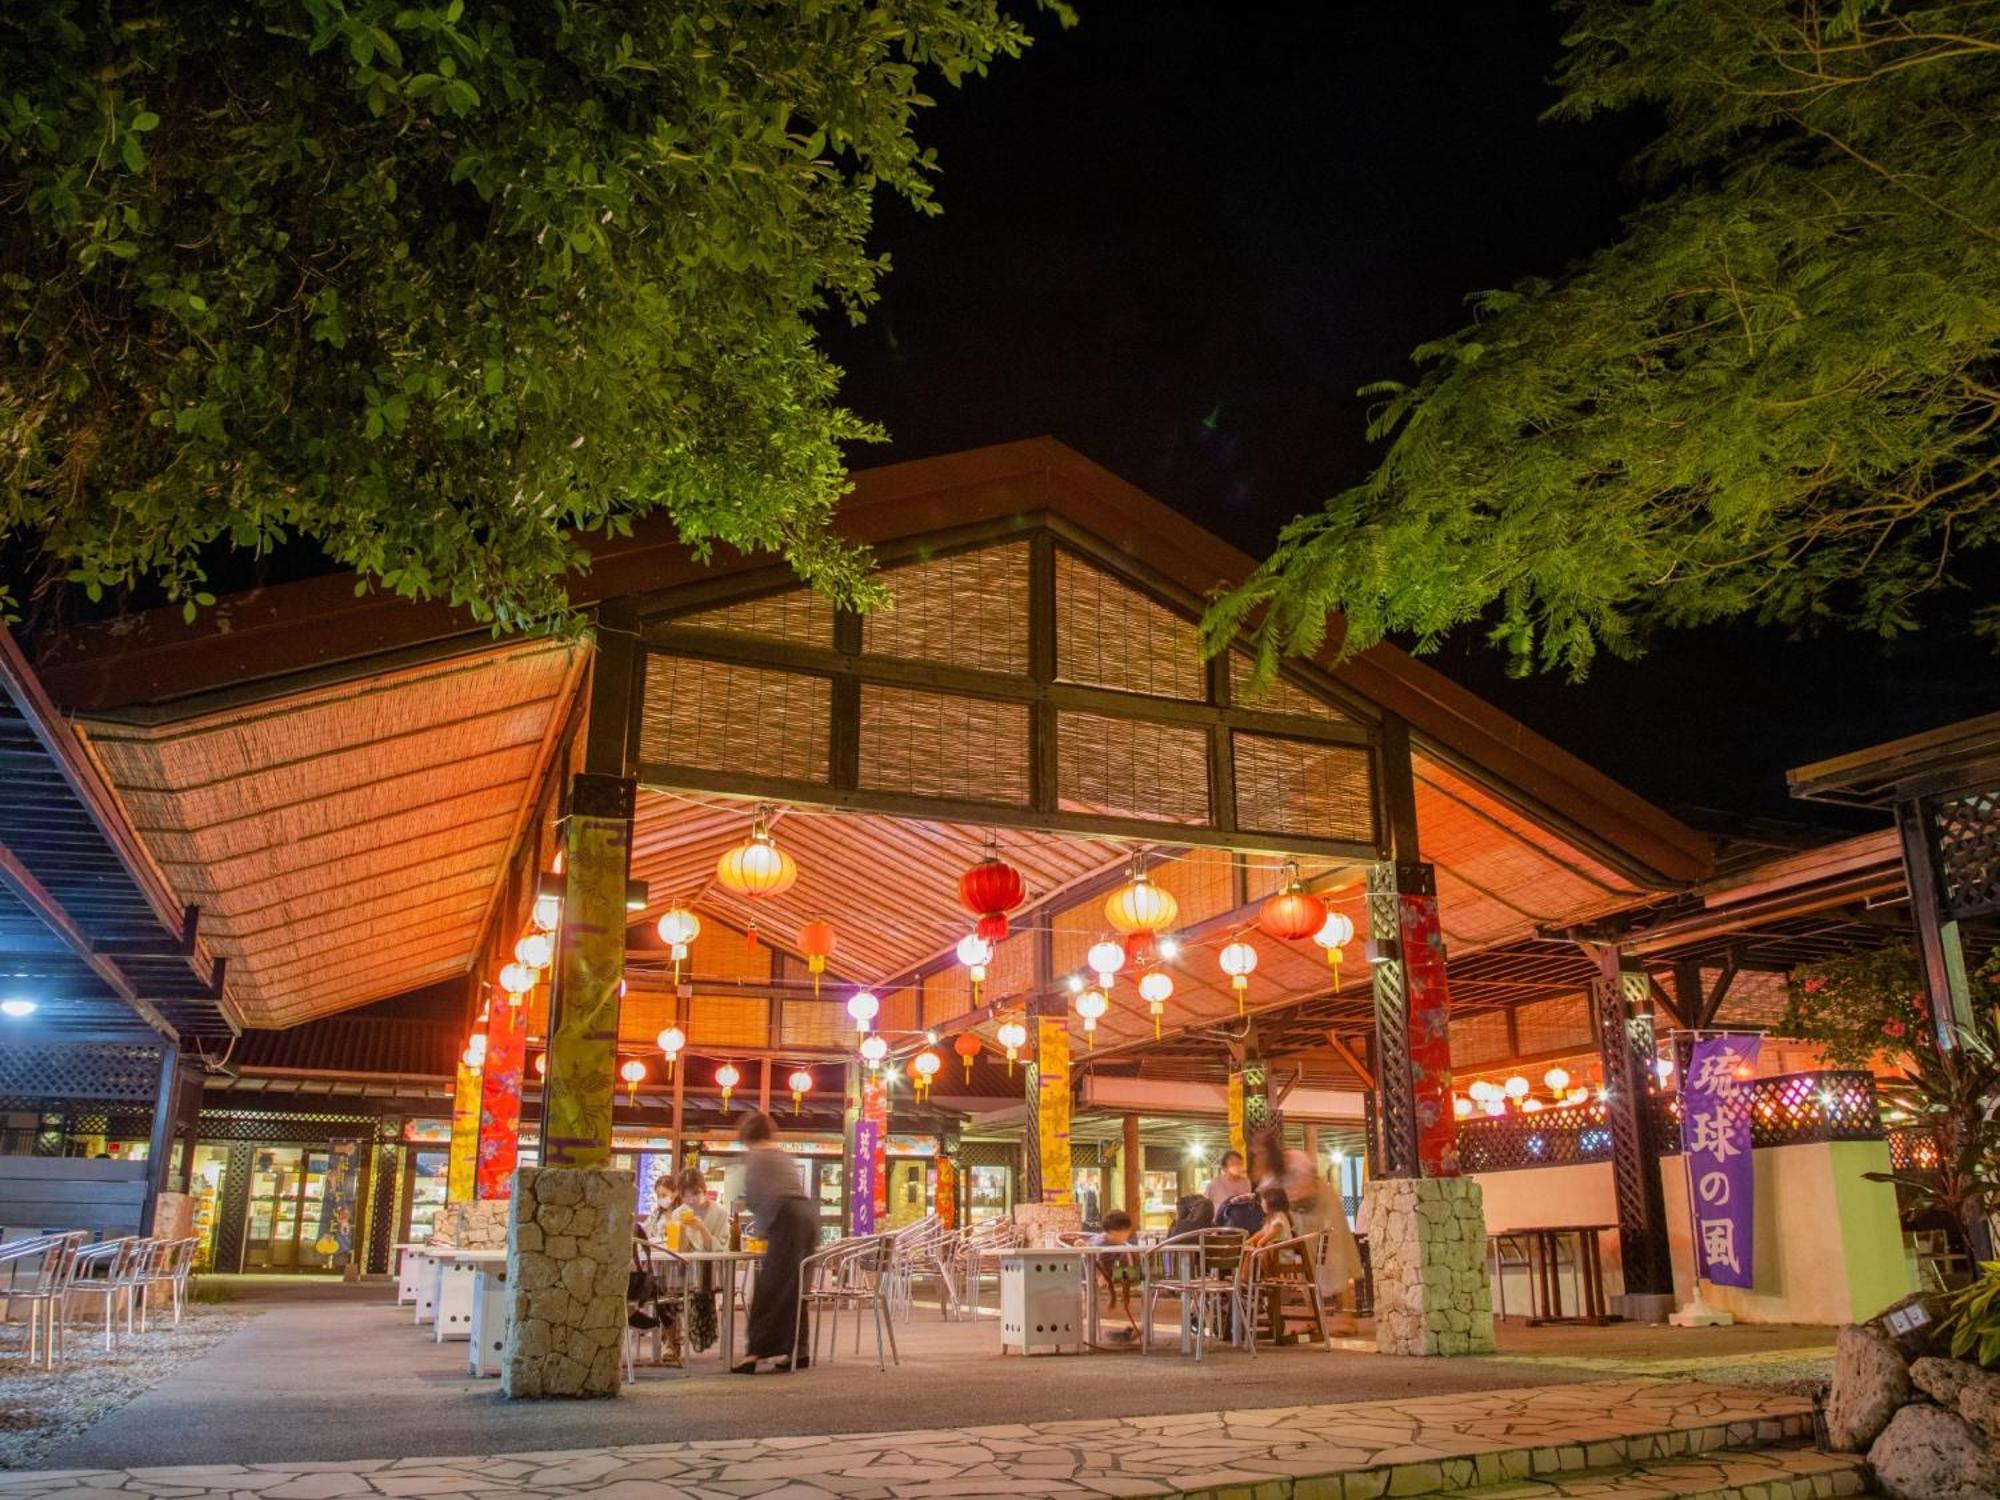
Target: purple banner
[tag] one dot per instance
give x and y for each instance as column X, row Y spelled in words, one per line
column 867, row 1148
column 1715, row 1144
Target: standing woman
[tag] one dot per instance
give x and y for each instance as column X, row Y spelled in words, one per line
column 1316, row 1209
column 783, row 1217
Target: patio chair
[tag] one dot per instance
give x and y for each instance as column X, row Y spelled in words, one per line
column 849, row 1275
column 1278, row 1277
column 924, row 1249
column 1509, row 1252
column 979, row 1257
column 659, row 1276
column 1199, row 1271
column 39, row 1272
column 170, row 1265
column 109, row 1271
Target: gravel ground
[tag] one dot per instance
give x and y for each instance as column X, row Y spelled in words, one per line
column 1795, row 1370
column 41, row 1410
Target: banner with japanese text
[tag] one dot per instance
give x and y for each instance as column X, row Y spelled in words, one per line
column 1716, row 1146
column 1052, row 1107
column 867, row 1161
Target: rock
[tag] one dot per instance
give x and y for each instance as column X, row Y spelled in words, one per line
column 1928, row 1453
column 1870, row 1381
column 1942, row 1379
column 1979, row 1402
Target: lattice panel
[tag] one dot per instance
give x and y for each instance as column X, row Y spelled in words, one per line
column 282, row 1129
column 1108, row 634
column 728, row 1021
column 942, row 745
column 82, row 1070
column 801, row 616
column 1282, row 696
column 814, row 1023
column 1551, row 1025
column 718, row 717
column 1295, row 786
column 1121, row 769
column 969, row 609
column 1632, row 1115
column 1967, row 830
column 1552, row 1138
column 1397, row 1105
column 1480, row 1039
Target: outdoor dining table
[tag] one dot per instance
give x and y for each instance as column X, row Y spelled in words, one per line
column 728, row 1261
column 458, row 1274
column 409, row 1265
column 1545, row 1281
column 1039, row 1291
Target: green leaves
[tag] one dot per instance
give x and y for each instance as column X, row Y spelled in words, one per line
column 1777, row 396
column 442, row 287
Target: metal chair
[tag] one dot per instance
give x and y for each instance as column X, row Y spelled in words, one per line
column 1198, row 1270
column 923, row 1249
column 667, row 1278
column 109, row 1271
column 1275, row 1275
column 49, row 1263
column 849, row 1275
column 170, row 1265
column 979, row 1252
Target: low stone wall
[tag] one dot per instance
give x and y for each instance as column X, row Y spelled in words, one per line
column 1427, row 1243
column 478, row 1226
column 569, row 1251
column 1042, row 1222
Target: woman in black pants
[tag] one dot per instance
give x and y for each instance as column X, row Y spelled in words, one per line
column 783, row 1217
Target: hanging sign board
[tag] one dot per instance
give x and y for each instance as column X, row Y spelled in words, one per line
column 1715, row 1144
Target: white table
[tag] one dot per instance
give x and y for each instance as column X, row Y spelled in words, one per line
column 457, row 1275
column 408, row 1253
column 422, row 1268
column 490, row 1306
column 727, row 1261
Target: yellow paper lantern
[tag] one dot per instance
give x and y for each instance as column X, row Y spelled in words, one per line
column 757, row 867
column 1141, row 906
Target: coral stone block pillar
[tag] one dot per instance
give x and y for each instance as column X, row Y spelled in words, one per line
column 1428, row 1239
column 569, row 1250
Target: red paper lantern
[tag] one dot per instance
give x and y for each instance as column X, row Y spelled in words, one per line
column 816, row 943
column 989, row 890
column 967, row 1046
column 1292, row 914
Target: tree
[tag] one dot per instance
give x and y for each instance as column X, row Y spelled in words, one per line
column 1776, row 396
column 441, row 286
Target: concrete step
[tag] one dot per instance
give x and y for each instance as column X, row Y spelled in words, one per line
column 1775, row 1473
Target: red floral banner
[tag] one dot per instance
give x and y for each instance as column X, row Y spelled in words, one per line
column 500, row 1098
column 1428, row 999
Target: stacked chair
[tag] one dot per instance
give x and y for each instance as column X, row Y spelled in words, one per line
column 52, row 1272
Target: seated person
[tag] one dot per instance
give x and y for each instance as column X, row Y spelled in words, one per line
column 1277, row 1223
column 654, row 1226
column 704, row 1223
column 1192, row 1214
column 1121, row 1272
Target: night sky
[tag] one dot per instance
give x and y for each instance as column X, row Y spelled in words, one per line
column 1180, row 235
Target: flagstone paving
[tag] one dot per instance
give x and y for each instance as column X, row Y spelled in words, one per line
column 1677, row 1438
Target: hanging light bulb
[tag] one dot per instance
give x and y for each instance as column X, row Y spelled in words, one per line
column 1238, row 960
column 1105, row 960
column 801, row 1082
column 516, row 979
column 1557, row 1079
column 975, row 953
column 1091, row 1005
column 873, row 1049
column 728, row 1078
column 925, row 1066
column 671, row 1041
column 1335, row 933
column 816, row 941
column 864, row 1007
column 1155, row 989
column 634, row 1074
column 1013, row 1036
column 548, row 911
column 535, row 950
column 678, row 927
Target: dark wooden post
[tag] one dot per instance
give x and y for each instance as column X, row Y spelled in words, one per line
column 159, row 1146
column 1623, row 1004
column 1940, row 946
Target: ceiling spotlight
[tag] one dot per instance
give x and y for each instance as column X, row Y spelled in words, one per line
column 17, row 1007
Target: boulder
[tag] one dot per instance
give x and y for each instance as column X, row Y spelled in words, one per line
column 1979, row 1402
column 1928, row 1453
column 1943, row 1379
column 1870, row 1381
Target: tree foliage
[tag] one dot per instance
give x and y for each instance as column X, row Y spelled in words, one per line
column 1776, row 396
column 442, row 285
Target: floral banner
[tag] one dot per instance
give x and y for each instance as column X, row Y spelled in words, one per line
column 583, row 1049
column 500, row 1098
column 1428, row 1005
column 462, row 1171
column 1052, row 1106
column 1715, row 1144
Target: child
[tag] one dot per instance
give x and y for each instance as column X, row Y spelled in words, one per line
column 1121, row 1272
column 1277, row 1219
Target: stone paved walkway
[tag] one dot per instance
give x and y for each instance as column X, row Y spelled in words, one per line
column 1532, row 1438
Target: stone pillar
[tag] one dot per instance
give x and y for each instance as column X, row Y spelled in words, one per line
column 569, row 1249
column 583, row 1047
column 500, row 1096
column 1624, row 1013
column 1428, row 1241
column 1419, row 1136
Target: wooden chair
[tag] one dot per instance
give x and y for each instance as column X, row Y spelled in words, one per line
column 1276, row 1279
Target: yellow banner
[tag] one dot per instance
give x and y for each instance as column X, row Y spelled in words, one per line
column 583, row 1052
column 462, row 1174
column 1236, row 1111
column 1052, row 1106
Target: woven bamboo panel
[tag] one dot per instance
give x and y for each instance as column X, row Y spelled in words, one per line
column 969, row 609
column 723, row 952
column 719, row 717
column 1012, row 971
column 1477, row 1040
column 1072, row 931
column 802, row 616
column 948, row 993
column 813, row 1023
column 1282, row 696
column 642, row 1016
column 1551, row 1025
column 899, row 1010
column 1119, row 768
column 728, row 1021
column 1200, row 881
column 942, row 745
column 1108, row 634
column 1265, row 876
column 1294, row 786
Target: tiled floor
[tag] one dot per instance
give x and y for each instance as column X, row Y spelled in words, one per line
column 1522, row 1441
